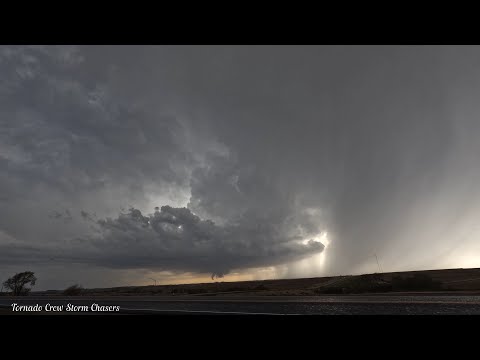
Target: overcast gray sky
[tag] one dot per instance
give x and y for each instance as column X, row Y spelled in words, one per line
column 262, row 161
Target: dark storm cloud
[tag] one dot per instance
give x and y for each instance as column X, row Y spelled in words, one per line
column 65, row 133
column 173, row 239
column 367, row 134
column 273, row 144
column 64, row 139
column 71, row 134
column 66, row 215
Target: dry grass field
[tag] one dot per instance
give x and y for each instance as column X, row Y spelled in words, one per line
column 444, row 281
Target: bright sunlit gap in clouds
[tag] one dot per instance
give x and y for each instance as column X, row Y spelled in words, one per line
column 313, row 265
column 319, row 259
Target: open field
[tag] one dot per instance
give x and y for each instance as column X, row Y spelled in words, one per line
column 438, row 281
column 451, row 291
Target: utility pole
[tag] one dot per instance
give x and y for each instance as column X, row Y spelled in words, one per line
column 378, row 264
column 154, row 280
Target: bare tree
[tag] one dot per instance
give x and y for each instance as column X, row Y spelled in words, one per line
column 17, row 283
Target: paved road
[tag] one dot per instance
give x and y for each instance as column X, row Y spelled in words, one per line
column 266, row 305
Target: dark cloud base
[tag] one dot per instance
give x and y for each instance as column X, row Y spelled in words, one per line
column 171, row 239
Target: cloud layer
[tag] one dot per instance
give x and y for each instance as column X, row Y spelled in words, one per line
column 173, row 239
column 254, row 149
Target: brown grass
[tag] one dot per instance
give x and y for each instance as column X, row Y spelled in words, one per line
column 452, row 280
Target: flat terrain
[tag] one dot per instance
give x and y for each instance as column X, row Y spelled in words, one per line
column 447, row 280
column 450, row 291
